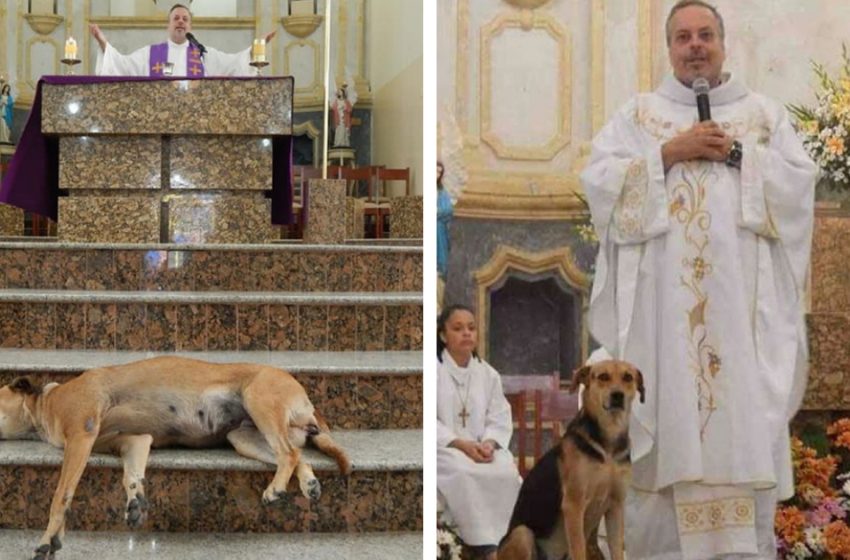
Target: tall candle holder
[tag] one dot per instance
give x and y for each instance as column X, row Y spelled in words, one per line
column 259, row 65
column 258, row 55
column 69, row 65
column 70, row 59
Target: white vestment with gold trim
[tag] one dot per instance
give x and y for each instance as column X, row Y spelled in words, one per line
column 699, row 282
column 480, row 497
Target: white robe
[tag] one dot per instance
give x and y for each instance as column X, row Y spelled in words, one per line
column 480, row 497
column 699, row 282
column 216, row 63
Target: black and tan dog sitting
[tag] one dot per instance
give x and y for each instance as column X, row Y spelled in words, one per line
column 583, row 478
column 262, row 411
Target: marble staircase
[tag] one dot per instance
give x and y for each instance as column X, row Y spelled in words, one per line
column 346, row 320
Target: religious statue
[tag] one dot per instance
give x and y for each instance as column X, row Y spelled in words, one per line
column 341, row 106
column 7, row 102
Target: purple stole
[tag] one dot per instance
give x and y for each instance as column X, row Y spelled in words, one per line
column 159, row 58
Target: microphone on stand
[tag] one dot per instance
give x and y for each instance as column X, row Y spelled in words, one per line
column 701, row 87
column 195, row 43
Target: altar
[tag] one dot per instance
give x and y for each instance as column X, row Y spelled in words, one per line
column 139, row 160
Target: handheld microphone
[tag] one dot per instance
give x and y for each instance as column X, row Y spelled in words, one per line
column 196, row 43
column 701, row 87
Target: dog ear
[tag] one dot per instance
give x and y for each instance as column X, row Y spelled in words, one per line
column 25, row 386
column 641, row 389
column 581, row 375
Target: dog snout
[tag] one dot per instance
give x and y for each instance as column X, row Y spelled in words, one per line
column 617, row 399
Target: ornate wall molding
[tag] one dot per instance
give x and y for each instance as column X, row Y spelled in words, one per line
column 342, row 41
column 559, row 34
column 646, row 44
column 597, row 65
column 57, row 50
column 527, row 4
column 312, row 132
column 4, row 71
column 520, row 196
column 315, row 87
column 302, row 26
column 43, row 24
column 505, row 258
column 123, row 22
column 462, row 56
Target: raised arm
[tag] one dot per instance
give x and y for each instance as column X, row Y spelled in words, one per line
column 95, row 31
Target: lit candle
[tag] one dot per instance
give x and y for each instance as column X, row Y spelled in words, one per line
column 258, row 50
column 71, row 49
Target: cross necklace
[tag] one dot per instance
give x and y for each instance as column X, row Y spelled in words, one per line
column 464, row 413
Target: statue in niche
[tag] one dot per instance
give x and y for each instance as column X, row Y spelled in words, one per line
column 341, row 106
column 7, row 102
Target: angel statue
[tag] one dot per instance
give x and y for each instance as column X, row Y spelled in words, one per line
column 341, row 105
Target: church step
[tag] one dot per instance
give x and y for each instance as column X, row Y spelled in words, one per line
column 220, row 491
column 828, row 386
column 352, row 390
column 197, row 321
column 80, row 545
column 271, row 267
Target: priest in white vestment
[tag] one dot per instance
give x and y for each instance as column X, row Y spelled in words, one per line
column 705, row 231
column 178, row 56
column 477, row 478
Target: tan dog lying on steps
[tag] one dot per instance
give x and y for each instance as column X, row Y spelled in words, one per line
column 168, row 401
column 583, row 478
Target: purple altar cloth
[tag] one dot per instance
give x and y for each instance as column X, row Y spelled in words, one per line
column 32, row 182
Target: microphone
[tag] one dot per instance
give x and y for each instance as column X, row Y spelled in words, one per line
column 196, row 43
column 701, row 87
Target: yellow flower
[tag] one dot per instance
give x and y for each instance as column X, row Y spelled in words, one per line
column 835, row 145
column 811, row 127
column 841, row 105
column 845, row 84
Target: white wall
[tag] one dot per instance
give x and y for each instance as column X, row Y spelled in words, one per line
column 394, row 28
column 770, row 44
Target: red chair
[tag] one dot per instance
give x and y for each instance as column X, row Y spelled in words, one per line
column 378, row 206
column 353, row 176
column 538, row 401
column 300, row 187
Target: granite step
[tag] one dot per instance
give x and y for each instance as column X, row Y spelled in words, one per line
column 121, row 545
column 219, row 491
column 175, row 267
column 218, row 320
column 353, row 390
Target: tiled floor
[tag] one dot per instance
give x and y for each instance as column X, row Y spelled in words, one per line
column 18, row 545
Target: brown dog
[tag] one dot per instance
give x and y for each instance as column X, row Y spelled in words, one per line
column 262, row 411
column 583, row 478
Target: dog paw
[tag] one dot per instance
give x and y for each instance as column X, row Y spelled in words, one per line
column 137, row 511
column 313, row 489
column 270, row 496
column 42, row 552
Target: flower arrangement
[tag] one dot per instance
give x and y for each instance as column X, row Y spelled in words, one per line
column 587, row 243
column 825, row 128
column 814, row 523
column 449, row 545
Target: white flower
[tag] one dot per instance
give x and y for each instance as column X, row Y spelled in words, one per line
column 800, row 552
column 814, row 539
column 846, row 487
column 444, row 537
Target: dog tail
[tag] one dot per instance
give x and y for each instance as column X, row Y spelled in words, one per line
column 325, row 443
column 329, row 447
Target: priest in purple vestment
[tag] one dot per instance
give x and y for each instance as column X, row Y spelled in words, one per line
column 180, row 56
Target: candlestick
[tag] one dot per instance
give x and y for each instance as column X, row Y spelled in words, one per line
column 70, row 49
column 258, row 50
